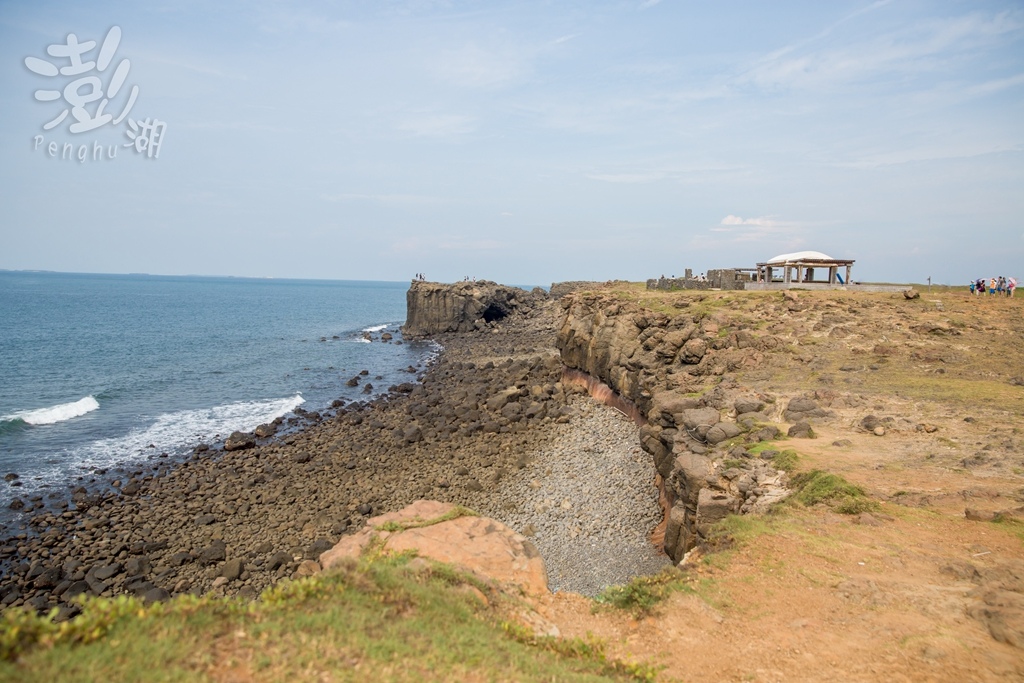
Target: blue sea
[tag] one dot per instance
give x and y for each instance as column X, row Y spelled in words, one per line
column 101, row 371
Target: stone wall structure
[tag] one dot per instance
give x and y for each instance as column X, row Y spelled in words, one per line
column 720, row 278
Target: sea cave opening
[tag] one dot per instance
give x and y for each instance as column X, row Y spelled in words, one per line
column 494, row 312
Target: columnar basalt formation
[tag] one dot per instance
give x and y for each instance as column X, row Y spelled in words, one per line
column 435, row 308
column 675, row 369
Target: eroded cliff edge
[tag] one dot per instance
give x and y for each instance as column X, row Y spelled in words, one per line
column 700, row 423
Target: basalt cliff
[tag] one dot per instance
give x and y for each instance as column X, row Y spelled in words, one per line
column 435, row 308
column 696, row 423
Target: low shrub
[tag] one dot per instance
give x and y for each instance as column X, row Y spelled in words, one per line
column 642, row 593
column 817, row 486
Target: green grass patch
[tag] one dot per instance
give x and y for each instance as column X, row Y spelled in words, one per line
column 786, row 460
column 643, row 593
column 742, row 528
column 1012, row 524
column 586, row 649
column 381, row 619
column 454, row 513
column 817, row 486
column 947, row 388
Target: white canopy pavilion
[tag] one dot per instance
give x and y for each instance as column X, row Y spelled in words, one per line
column 802, row 267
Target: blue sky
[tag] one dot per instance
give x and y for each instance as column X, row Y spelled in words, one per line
column 524, row 142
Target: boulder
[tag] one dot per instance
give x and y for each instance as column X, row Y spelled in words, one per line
column 693, row 351
column 239, row 441
column 48, row 578
column 748, row 405
column 483, row 546
column 232, row 569
column 266, row 430
column 107, row 572
column 804, row 409
column 722, row 431
column 278, row 560
column 412, row 434
column 308, row 568
column 712, row 507
column 213, row 553
column 498, row 401
column 137, row 566
column 689, row 474
column 801, row 430
column 698, row 421
column 677, row 536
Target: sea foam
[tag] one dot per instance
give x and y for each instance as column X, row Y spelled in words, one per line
column 55, row 414
column 375, row 328
column 187, row 428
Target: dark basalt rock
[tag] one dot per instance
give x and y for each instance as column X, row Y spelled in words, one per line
column 238, row 441
column 434, row 308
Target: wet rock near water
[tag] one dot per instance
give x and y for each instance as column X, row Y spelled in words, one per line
column 235, row 521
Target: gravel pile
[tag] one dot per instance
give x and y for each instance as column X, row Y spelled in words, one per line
column 588, row 501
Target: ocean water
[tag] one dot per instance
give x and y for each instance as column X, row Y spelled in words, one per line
column 101, row 371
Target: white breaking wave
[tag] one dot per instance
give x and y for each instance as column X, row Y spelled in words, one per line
column 173, row 432
column 55, row 414
column 376, row 328
column 187, row 428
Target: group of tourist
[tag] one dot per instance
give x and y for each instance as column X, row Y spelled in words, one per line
column 997, row 285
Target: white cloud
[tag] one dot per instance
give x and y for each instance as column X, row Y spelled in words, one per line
column 926, row 46
column 763, row 221
column 945, row 151
column 998, row 85
column 762, row 228
column 647, row 4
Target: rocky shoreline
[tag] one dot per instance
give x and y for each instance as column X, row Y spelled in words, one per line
column 489, row 423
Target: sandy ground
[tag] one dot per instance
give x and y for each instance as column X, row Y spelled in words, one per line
column 825, row 597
